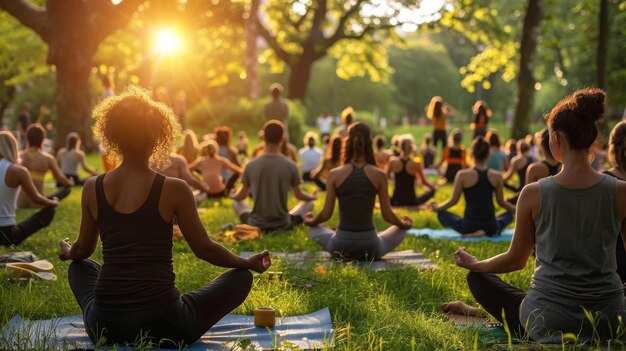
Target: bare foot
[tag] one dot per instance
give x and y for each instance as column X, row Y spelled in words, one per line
column 461, row 308
column 475, row 234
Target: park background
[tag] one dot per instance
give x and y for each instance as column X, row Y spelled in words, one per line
column 384, row 58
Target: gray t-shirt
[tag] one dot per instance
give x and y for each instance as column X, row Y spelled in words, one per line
column 277, row 109
column 575, row 232
column 270, row 177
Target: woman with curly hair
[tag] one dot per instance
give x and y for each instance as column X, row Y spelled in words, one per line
column 356, row 185
column 131, row 209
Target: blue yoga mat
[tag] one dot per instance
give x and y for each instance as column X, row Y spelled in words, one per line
column 449, row 234
column 311, row 331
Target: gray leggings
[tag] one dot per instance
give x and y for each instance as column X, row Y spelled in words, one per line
column 173, row 325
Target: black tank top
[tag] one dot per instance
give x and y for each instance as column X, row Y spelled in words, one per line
column 522, row 172
column 552, row 170
column 356, row 197
column 429, row 158
column 404, row 192
column 137, row 273
column 479, row 199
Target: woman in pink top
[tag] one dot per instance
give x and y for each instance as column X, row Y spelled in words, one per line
column 210, row 166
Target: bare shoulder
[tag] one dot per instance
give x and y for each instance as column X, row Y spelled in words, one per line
column 494, row 174
column 529, row 194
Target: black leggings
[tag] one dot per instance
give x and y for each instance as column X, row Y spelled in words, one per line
column 306, row 176
column 173, row 325
column 15, row 234
column 61, row 193
column 497, row 297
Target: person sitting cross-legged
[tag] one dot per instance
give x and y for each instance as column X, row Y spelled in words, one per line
column 132, row 295
column 478, row 185
column 355, row 185
column 269, row 178
column 405, row 170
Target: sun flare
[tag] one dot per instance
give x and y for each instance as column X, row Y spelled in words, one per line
column 167, row 41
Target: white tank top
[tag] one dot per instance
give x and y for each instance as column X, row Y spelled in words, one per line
column 8, row 197
column 68, row 164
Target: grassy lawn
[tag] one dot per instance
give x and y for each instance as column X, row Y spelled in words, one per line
column 393, row 310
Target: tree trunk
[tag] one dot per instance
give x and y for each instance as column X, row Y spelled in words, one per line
column 252, row 80
column 526, row 80
column 601, row 59
column 73, row 101
column 299, row 79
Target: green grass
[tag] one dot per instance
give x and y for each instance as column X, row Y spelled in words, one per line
column 393, row 310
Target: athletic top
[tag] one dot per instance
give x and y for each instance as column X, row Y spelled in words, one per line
column 554, row 170
column 480, row 122
column 69, row 166
column 429, row 157
column 137, row 273
column 575, row 234
column 356, row 197
column 8, row 197
column 454, row 155
column 521, row 173
column 440, row 123
column 404, row 192
column 496, row 160
column 479, row 200
column 34, row 175
column 620, row 241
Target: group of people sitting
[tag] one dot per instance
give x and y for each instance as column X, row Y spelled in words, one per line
column 571, row 219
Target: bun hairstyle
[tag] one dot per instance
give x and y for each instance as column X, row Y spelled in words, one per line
column 617, row 146
column 358, row 144
column 480, row 149
column 209, row 148
column 379, row 141
column 576, row 117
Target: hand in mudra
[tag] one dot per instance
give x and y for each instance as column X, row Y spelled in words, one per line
column 464, row 260
column 260, row 262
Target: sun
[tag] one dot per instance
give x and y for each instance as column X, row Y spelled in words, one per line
column 167, row 41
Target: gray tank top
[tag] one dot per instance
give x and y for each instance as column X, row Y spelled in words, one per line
column 575, row 234
column 68, row 164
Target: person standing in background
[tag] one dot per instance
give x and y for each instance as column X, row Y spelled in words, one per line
column 277, row 108
column 22, row 123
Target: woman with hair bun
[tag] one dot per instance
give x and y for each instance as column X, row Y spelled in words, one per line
column 478, row 184
column 131, row 209
column 572, row 221
column 355, row 185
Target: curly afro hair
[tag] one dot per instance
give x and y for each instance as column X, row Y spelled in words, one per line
column 133, row 122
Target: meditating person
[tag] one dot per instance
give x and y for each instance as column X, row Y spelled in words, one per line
column 242, row 144
column 617, row 159
column 269, row 178
column 178, row 168
column 519, row 165
column 572, row 221
column 311, row 157
column 453, row 156
column 478, row 185
column 347, row 118
column 481, row 113
column 210, row 166
column 133, row 295
column 71, row 156
column 546, row 167
column 510, row 148
column 355, row 184
column 405, row 170
column 331, row 160
column 428, row 151
column 381, row 156
column 190, row 147
column 38, row 163
column 497, row 158
column 13, row 178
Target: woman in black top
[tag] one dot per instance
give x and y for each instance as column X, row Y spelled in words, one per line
column 355, row 185
column 546, row 167
column 131, row 209
column 617, row 158
column 405, row 170
column 478, row 185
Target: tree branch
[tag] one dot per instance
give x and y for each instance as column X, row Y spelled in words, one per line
column 32, row 16
column 114, row 17
column 272, row 42
column 301, row 20
column 340, row 32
